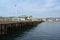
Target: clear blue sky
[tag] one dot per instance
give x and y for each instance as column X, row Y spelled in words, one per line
column 36, row 8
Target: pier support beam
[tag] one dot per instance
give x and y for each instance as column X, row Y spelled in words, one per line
column 3, row 29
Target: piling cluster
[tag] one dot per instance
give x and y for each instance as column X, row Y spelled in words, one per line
column 7, row 27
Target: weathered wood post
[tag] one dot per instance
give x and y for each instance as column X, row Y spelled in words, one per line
column 0, row 29
column 21, row 25
column 3, row 29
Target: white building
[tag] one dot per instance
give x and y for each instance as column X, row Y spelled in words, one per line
column 57, row 19
column 22, row 18
column 15, row 19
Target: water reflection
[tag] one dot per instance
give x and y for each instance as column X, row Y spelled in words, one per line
column 17, row 33
column 44, row 31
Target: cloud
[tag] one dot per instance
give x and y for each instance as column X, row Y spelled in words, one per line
column 29, row 7
column 48, row 3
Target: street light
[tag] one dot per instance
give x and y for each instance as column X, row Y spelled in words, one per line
column 16, row 10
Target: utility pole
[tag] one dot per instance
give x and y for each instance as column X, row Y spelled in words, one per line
column 16, row 12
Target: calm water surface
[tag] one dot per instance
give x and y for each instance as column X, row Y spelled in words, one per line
column 43, row 31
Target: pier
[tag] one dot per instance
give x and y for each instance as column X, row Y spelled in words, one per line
column 7, row 27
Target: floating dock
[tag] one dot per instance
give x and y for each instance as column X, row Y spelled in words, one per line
column 7, row 27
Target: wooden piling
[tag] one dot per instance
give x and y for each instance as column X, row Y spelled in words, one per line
column 9, row 27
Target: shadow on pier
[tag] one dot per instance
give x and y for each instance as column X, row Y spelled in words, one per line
column 17, row 33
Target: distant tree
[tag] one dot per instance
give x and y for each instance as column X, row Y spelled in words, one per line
column 1, row 17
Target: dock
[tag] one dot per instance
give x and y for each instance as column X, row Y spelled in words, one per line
column 7, row 27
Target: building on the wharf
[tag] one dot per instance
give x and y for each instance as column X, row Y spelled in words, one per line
column 57, row 19
column 22, row 18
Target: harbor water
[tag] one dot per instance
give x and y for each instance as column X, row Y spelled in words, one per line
column 43, row 31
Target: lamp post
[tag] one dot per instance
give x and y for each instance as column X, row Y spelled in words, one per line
column 16, row 10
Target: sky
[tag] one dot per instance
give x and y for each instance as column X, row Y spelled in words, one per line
column 36, row 8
